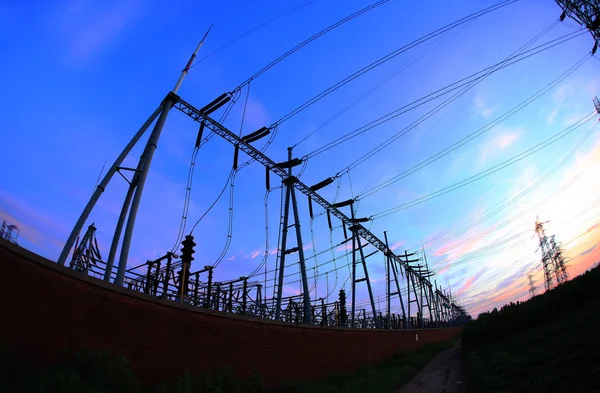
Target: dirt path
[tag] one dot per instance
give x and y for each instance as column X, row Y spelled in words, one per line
column 444, row 374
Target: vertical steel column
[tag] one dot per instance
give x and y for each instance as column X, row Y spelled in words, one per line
column 409, row 317
column 353, row 279
column 412, row 278
column 141, row 180
column 356, row 238
column 102, row 186
column 282, row 251
column 388, row 278
column 307, row 311
column 395, row 272
column 117, row 235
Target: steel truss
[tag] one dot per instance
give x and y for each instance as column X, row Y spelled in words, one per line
column 415, row 276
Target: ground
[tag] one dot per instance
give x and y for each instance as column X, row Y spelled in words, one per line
column 444, row 374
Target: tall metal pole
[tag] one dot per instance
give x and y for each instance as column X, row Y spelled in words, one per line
column 393, row 267
column 189, row 64
column 118, row 229
column 140, row 180
column 388, row 278
column 306, row 295
column 102, row 186
column 353, row 277
column 282, row 251
column 362, row 257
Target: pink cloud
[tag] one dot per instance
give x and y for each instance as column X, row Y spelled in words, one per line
column 396, row 245
column 345, row 247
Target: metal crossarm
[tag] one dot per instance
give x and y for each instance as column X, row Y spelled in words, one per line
column 255, row 154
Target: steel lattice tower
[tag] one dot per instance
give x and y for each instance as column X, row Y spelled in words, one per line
column 546, row 254
column 553, row 258
column 532, row 288
column 584, row 12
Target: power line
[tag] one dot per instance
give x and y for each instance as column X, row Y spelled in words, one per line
column 309, row 40
column 253, row 30
column 390, row 56
column 504, row 205
column 470, row 137
column 483, row 174
column 512, row 59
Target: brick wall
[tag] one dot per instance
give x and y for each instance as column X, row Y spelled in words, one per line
column 48, row 308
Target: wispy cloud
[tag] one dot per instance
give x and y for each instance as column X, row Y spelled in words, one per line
column 481, row 108
column 90, row 28
column 469, row 282
column 502, row 140
column 552, row 117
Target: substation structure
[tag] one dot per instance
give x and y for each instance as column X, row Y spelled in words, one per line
column 423, row 304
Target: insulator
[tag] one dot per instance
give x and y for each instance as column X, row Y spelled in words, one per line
column 220, row 104
column 345, row 233
column 563, row 16
column 595, row 48
column 256, row 135
column 188, row 249
column 329, row 220
column 213, row 102
column 200, row 132
column 322, row 184
column 344, row 203
column 289, row 164
column 235, row 156
column 268, row 178
column 364, row 219
column 310, row 209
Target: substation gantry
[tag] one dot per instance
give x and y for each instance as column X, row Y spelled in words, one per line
column 232, row 294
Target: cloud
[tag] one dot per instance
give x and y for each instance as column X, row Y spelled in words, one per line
column 588, row 251
column 501, row 141
column 396, row 245
column 89, row 28
column 469, row 282
column 480, row 108
column 552, row 116
column 592, row 228
column 256, row 116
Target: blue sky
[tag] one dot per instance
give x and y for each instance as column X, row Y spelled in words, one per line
column 80, row 77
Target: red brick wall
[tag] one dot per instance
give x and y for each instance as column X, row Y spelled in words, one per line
column 48, row 308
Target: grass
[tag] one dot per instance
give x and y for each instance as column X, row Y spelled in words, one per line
column 555, row 347
column 98, row 372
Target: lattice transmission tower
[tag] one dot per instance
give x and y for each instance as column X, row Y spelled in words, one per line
column 584, row 12
column 532, row 288
column 9, row 232
column 553, row 258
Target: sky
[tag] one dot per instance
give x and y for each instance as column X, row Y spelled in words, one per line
column 80, row 77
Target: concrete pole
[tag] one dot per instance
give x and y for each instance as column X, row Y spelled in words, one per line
column 147, row 157
column 102, row 186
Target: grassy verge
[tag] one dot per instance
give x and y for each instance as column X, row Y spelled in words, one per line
column 557, row 351
column 106, row 373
